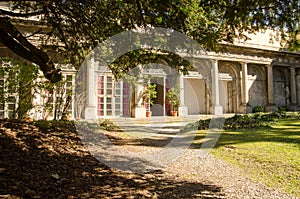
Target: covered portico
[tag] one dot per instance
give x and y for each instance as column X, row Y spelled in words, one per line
column 234, row 83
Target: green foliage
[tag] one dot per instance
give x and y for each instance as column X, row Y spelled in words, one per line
column 43, row 125
column 54, row 125
column 58, row 98
column 173, row 96
column 150, row 93
column 107, row 125
column 64, row 98
column 22, row 81
column 79, row 26
column 283, row 109
column 247, row 121
column 257, row 109
column 18, row 88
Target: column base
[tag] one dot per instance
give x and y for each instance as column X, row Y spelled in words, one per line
column 182, row 111
column 218, row 110
column 271, row 108
column 243, row 108
column 90, row 113
column 139, row 112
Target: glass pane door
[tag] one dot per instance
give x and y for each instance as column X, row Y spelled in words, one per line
column 109, row 101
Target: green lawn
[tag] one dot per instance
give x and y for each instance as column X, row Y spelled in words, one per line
column 270, row 155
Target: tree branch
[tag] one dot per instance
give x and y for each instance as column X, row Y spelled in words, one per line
column 16, row 42
column 140, row 11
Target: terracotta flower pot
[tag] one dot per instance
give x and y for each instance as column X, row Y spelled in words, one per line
column 174, row 113
column 148, row 113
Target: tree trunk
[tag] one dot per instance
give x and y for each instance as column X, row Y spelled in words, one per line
column 16, row 42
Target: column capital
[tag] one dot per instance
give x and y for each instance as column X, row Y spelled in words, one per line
column 243, row 62
column 215, row 60
column 292, row 68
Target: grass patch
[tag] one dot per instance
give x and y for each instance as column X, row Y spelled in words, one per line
column 270, row 154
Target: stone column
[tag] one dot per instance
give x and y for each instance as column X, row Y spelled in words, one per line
column 270, row 106
column 218, row 110
column 90, row 110
column 244, row 89
column 270, row 85
column 293, row 86
column 298, row 86
column 207, row 99
column 182, row 109
column 293, row 105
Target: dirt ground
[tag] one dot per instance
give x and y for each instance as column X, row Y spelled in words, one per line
column 52, row 163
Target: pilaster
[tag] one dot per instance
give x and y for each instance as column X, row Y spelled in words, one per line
column 298, row 86
column 270, row 106
column 244, row 88
column 90, row 109
column 182, row 109
column 218, row 109
column 293, row 105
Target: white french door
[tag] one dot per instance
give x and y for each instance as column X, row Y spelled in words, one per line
column 109, row 100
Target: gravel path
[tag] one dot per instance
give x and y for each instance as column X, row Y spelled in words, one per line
column 211, row 170
column 52, row 163
column 233, row 183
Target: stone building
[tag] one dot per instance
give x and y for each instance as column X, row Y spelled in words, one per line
column 257, row 72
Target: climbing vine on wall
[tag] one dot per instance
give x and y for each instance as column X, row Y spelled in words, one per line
column 25, row 92
column 17, row 87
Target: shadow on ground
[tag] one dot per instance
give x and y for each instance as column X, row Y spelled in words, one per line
column 54, row 164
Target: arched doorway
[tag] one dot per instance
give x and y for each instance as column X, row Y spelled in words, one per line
column 228, row 87
column 257, row 87
column 281, row 87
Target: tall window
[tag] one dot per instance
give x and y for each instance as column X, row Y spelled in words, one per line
column 59, row 98
column 109, row 96
column 9, row 85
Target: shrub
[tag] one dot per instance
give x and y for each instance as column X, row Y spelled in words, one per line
column 241, row 121
column 43, row 125
column 257, row 109
column 107, row 125
column 173, row 96
column 55, row 125
column 283, row 109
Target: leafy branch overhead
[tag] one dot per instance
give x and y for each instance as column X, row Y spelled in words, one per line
column 74, row 28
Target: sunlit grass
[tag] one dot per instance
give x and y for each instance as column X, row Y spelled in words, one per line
column 269, row 155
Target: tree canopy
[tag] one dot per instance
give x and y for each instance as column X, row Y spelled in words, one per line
column 76, row 27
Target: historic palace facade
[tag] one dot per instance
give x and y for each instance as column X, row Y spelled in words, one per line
column 247, row 75
column 257, row 72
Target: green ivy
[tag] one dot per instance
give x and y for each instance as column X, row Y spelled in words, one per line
column 19, row 85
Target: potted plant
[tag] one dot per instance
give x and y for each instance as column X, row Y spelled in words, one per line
column 173, row 96
column 149, row 94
